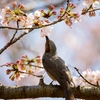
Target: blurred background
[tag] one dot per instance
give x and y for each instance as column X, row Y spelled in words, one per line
column 78, row 46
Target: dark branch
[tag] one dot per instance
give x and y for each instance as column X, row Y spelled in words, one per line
column 85, row 79
column 42, row 90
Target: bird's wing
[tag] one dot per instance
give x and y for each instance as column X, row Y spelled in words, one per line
column 56, row 68
column 52, row 69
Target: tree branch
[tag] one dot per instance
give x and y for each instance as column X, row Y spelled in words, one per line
column 43, row 90
column 12, row 42
column 97, row 85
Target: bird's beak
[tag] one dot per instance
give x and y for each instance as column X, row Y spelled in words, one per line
column 47, row 39
column 47, row 46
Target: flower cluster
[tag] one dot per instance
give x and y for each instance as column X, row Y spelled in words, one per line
column 91, row 76
column 9, row 15
column 69, row 14
column 26, row 20
column 23, row 67
column 49, row 13
column 38, row 22
column 38, row 18
column 88, row 3
column 90, row 6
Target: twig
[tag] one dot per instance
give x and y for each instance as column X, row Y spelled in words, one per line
column 37, row 27
column 84, row 78
column 40, row 76
column 13, row 36
column 11, row 40
column 33, row 65
column 15, row 32
column 24, row 64
column 65, row 10
column 89, row 10
column 54, row 22
column 2, row 65
column 86, row 10
column 94, row 9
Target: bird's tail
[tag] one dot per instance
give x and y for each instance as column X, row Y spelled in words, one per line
column 68, row 92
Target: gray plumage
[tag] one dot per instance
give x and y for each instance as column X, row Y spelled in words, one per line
column 56, row 68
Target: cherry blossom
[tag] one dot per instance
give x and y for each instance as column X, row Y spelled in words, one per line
column 69, row 14
column 87, row 3
column 37, row 13
column 45, row 31
column 24, row 67
column 91, row 76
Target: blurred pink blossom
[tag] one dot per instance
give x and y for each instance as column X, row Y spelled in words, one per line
column 87, row 3
column 91, row 76
column 45, row 31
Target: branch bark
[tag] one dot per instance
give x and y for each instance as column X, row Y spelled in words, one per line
column 43, row 90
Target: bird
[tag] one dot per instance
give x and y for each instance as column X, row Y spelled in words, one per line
column 57, row 69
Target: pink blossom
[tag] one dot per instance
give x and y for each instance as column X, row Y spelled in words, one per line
column 8, row 71
column 24, row 56
column 4, row 15
column 20, row 77
column 51, row 7
column 39, row 71
column 8, row 64
column 37, row 13
column 87, row 3
column 91, row 76
column 68, row 21
column 45, row 31
column 76, row 81
column 27, row 21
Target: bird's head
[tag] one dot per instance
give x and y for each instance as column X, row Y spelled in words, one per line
column 50, row 46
